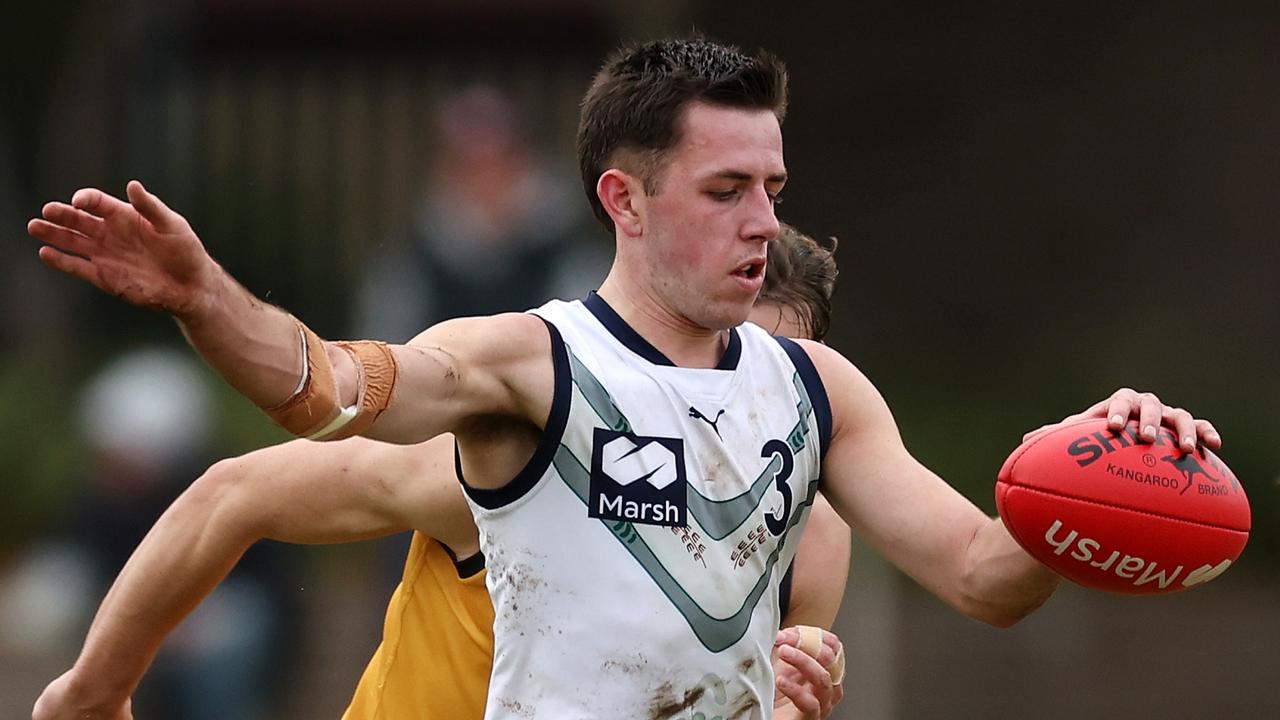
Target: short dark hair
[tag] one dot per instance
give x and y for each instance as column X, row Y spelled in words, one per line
column 801, row 276
column 635, row 101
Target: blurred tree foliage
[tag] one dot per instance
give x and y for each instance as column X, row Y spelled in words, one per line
column 40, row 451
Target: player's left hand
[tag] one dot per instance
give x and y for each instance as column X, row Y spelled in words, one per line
column 1127, row 404
column 803, row 672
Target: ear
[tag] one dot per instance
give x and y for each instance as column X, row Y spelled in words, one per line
column 622, row 196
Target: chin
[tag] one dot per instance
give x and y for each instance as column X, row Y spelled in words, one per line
column 724, row 317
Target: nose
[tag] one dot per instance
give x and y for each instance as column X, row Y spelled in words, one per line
column 761, row 223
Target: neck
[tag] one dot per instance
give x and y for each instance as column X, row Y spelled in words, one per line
column 680, row 339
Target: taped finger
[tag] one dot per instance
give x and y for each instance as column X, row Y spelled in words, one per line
column 836, row 668
column 810, row 642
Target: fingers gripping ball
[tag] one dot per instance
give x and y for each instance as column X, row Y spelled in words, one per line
column 1111, row 513
column 811, row 642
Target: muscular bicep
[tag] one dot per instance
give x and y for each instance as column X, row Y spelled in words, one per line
column 465, row 369
column 909, row 514
column 820, row 571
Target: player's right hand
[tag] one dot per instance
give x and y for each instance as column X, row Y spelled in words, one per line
column 805, row 686
column 139, row 251
column 67, row 699
column 1127, row 404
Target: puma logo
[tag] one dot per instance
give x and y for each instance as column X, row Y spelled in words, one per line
column 694, row 413
column 1189, row 467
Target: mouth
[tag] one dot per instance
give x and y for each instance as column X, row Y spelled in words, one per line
column 752, row 270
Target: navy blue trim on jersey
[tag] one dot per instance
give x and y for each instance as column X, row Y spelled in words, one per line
column 784, row 592
column 469, row 565
column 817, row 391
column 548, row 444
column 729, row 361
column 627, row 335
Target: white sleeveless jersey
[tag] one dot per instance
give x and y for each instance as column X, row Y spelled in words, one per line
column 634, row 563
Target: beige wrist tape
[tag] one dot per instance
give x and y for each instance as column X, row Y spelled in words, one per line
column 376, row 366
column 315, row 404
column 810, row 643
column 313, row 411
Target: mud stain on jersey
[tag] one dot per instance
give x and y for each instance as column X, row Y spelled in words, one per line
column 742, row 711
column 625, row 665
column 665, row 705
column 711, row 474
column 517, row 708
column 524, row 578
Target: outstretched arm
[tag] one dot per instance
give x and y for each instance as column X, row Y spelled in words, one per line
column 318, row 493
column 148, row 255
column 922, row 524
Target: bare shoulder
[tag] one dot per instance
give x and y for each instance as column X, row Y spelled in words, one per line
column 500, row 338
column 856, row 404
column 832, row 366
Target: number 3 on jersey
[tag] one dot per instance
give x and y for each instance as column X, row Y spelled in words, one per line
column 777, row 522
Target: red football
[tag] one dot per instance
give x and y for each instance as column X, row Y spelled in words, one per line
column 1111, row 513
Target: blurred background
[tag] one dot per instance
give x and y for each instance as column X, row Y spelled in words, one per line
column 1036, row 204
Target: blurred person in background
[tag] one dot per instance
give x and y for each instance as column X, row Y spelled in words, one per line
column 497, row 227
column 147, row 420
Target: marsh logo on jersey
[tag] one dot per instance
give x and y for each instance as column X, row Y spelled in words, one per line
column 638, row 479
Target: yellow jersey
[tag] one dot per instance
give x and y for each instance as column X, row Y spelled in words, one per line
column 436, row 653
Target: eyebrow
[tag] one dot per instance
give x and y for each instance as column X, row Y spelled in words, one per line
column 741, row 176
